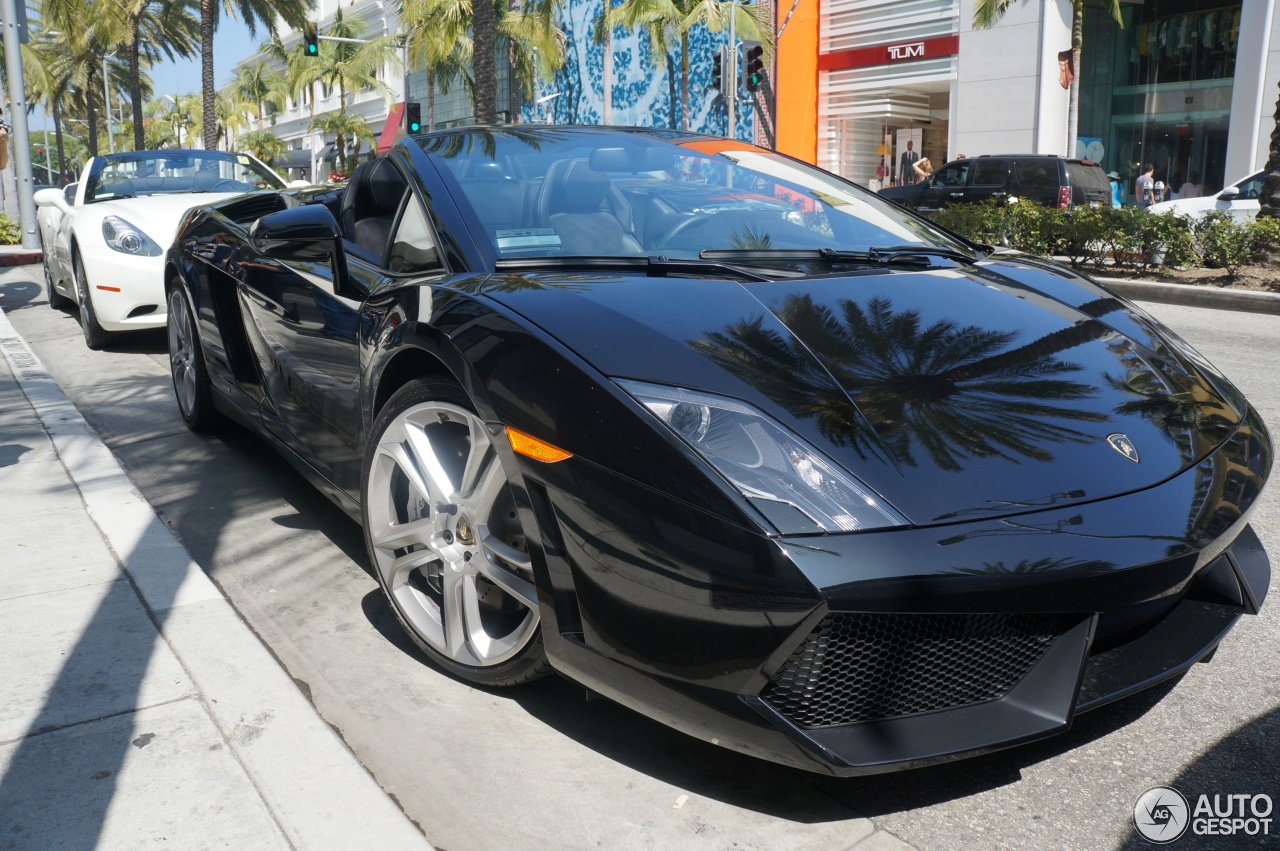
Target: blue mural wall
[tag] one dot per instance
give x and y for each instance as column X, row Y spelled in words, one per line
column 645, row 93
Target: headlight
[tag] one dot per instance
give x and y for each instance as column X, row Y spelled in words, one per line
column 124, row 237
column 791, row 483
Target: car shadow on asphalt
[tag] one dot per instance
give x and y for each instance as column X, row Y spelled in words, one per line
column 644, row 745
column 1244, row 762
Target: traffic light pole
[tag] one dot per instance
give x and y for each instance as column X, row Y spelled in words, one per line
column 18, row 116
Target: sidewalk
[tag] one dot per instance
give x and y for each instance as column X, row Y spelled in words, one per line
column 137, row 706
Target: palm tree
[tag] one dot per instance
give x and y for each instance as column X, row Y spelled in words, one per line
column 253, row 13
column 155, row 27
column 1271, row 186
column 986, row 13
column 603, row 36
column 260, row 84
column 346, row 66
column 439, row 41
column 667, row 20
column 342, row 125
column 263, row 144
column 534, row 43
column 86, row 30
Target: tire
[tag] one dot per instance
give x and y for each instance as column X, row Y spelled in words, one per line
column 57, row 300
column 187, row 368
column 451, row 561
column 95, row 336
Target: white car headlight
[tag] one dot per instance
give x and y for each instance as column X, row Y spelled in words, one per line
column 792, row 484
column 127, row 238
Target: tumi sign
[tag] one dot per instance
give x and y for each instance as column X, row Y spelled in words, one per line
column 887, row 54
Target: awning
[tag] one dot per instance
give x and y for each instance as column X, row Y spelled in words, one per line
column 391, row 130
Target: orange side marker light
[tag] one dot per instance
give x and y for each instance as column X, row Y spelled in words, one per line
column 536, row 449
column 108, row 289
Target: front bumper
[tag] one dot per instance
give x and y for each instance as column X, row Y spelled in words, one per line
column 134, row 296
column 913, row 646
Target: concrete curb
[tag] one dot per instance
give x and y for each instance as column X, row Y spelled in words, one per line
column 20, row 257
column 1191, row 295
column 316, row 790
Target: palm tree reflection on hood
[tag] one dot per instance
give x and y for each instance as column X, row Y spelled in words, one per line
column 956, row 391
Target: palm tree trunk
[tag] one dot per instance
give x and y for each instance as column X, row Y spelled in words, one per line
column 135, row 91
column 606, row 68
column 484, row 24
column 91, row 114
column 208, row 112
column 57, row 134
column 311, row 107
column 684, row 80
column 1073, row 109
column 431, row 100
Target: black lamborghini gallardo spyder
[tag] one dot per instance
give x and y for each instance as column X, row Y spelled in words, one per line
column 730, row 440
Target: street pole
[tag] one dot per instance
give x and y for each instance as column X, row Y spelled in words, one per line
column 48, row 151
column 732, row 74
column 21, row 138
column 106, row 100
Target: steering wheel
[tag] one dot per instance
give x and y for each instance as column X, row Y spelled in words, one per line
column 693, row 222
column 227, row 185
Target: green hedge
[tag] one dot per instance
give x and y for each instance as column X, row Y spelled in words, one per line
column 1126, row 237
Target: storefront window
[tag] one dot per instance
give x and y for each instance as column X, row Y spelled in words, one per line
column 1158, row 90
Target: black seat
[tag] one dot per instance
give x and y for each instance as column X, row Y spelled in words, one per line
column 369, row 205
column 572, row 201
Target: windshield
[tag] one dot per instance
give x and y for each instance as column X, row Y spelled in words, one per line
column 137, row 173
column 552, row 191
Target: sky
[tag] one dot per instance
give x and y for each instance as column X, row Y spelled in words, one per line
column 231, row 43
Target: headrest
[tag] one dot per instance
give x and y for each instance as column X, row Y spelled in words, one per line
column 578, row 189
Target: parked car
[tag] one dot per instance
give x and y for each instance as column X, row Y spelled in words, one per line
column 730, row 440
column 1240, row 200
column 104, row 237
column 1049, row 180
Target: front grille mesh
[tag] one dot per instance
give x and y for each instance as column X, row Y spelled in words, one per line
column 870, row 667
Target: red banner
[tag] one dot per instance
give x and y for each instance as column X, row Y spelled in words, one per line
column 890, row 54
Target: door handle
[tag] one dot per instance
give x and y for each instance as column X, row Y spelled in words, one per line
column 957, row 194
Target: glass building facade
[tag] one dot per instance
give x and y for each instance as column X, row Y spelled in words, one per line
column 1158, row 90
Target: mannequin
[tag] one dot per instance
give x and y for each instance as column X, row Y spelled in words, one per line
column 906, row 168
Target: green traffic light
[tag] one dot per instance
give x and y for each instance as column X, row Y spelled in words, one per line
column 311, row 48
column 415, row 127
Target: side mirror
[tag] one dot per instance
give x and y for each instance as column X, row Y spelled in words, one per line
column 1229, row 193
column 307, row 234
column 51, row 198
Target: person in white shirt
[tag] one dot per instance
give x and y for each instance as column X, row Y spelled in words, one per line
column 1192, row 188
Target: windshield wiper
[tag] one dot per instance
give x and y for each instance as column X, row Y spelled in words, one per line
column 875, row 256
column 655, row 266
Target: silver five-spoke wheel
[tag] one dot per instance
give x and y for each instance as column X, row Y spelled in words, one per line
column 181, row 354
column 446, row 539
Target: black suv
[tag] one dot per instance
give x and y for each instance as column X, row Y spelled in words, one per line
column 1049, row 180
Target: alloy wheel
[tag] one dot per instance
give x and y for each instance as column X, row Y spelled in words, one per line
column 181, row 354
column 446, row 539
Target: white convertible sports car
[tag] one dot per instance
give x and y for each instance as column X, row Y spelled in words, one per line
column 105, row 237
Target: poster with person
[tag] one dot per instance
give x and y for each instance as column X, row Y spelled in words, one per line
column 909, row 141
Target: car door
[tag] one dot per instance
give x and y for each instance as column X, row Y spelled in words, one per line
column 946, row 185
column 989, row 178
column 304, row 329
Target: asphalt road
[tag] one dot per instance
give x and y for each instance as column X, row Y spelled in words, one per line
column 542, row 767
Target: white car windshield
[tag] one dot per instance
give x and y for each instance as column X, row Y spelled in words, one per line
column 139, row 173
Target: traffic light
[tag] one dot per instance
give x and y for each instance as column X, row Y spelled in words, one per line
column 717, row 70
column 311, row 41
column 413, row 117
column 752, row 65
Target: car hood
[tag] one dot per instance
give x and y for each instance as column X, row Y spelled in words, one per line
column 955, row 394
column 157, row 215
